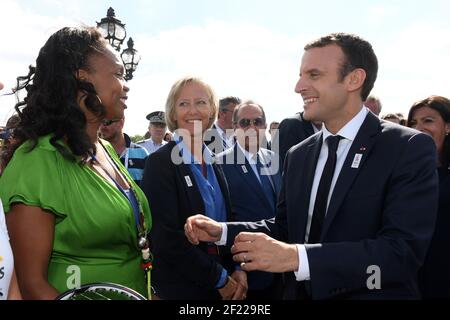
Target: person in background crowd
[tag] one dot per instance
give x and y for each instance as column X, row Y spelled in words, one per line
column 392, row 117
column 157, row 128
column 181, row 180
column 254, row 180
column 292, row 131
column 432, row 116
column 74, row 214
column 273, row 128
column 220, row 137
column 131, row 155
column 7, row 135
column 373, row 103
column 402, row 118
column 168, row 137
column 9, row 288
column 358, row 200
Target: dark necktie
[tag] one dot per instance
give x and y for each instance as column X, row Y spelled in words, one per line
column 266, row 184
column 320, row 205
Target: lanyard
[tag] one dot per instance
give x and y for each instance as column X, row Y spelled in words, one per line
column 131, row 197
column 147, row 258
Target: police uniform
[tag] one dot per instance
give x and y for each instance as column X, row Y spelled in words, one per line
column 149, row 144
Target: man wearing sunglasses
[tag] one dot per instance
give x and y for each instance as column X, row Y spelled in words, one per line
column 254, row 183
column 131, row 155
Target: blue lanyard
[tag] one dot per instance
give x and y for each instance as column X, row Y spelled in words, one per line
column 131, row 197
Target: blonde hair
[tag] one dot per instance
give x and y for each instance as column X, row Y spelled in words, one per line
column 174, row 94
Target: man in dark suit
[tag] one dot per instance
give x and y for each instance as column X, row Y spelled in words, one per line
column 292, row 131
column 220, row 137
column 358, row 200
column 254, row 182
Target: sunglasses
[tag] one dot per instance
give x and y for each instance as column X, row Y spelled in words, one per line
column 245, row 123
column 107, row 123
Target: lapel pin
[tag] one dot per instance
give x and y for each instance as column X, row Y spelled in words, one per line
column 357, row 161
column 188, row 181
column 362, row 148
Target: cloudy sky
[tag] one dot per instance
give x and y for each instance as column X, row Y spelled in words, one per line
column 246, row 48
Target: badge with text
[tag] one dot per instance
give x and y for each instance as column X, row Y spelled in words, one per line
column 188, row 181
column 357, row 161
column 244, row 168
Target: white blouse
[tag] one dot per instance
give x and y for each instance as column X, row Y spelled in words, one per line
column 6, row 257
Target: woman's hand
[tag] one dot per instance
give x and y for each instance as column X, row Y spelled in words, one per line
column 242, row 286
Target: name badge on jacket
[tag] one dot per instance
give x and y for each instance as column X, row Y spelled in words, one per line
column 188, row 181
column 357, row 161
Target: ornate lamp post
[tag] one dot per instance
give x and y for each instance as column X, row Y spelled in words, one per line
column 130, row 58
column 114, row 31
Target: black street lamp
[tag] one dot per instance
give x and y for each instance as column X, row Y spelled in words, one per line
column 114, row 31
column 130, row 58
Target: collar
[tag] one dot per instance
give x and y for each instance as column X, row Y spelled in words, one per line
column 350, row 130
column 127, row 140
column 156, row 144
column 251, row 156
column 221, row 131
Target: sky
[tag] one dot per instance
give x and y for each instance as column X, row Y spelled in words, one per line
column 246, row 48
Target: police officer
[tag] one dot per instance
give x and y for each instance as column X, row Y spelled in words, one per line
column 157, row 129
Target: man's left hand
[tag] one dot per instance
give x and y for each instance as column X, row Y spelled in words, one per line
column 258, row 251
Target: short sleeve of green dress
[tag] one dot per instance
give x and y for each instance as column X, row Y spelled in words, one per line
column 95, row 233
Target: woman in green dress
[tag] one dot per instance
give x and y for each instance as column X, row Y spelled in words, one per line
column 74, row 214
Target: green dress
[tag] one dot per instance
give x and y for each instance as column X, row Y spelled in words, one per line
column 95, row 231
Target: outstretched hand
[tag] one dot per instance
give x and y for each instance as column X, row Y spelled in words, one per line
column 201, row 228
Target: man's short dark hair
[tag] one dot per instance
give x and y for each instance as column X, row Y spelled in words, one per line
column 359, row 54
column 223, row 103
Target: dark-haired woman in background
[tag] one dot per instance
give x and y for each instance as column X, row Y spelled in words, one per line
column 432, row 116
column 74, row 214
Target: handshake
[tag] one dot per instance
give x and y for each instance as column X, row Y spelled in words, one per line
column 254, row 251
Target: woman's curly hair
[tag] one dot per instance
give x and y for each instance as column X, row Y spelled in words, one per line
column 51, row 105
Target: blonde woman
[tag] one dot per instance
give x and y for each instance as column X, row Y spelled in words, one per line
column 180, row 180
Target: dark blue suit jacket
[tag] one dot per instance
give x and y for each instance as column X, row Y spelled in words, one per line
column 180, row 270
column 381, row 213
column 291, row 131
column 248, row 200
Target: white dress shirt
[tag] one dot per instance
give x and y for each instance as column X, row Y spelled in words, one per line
column 151, row 146
column 348, row 134
column 229, row 140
